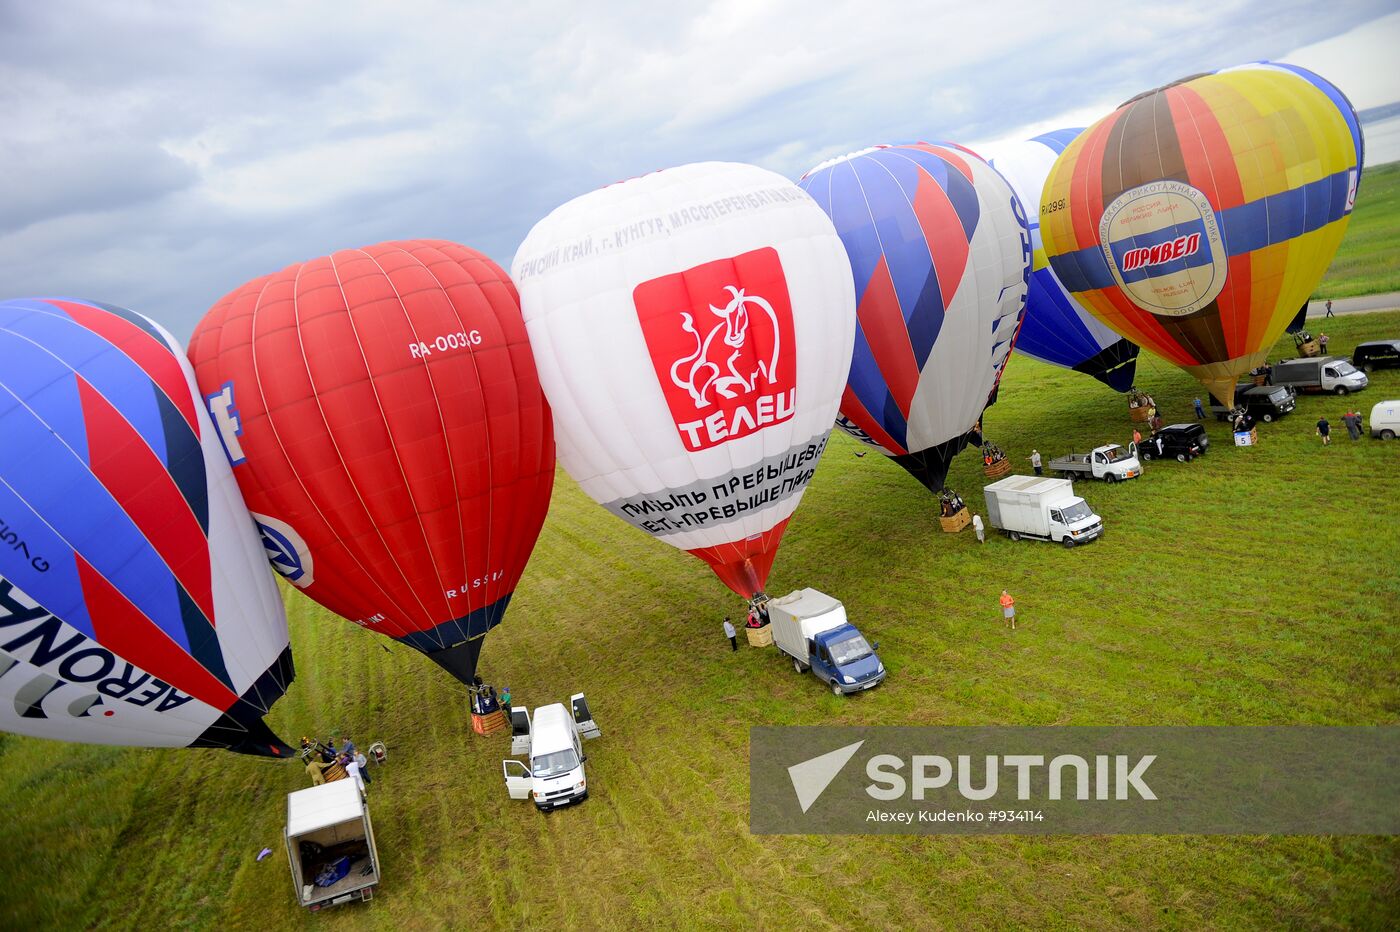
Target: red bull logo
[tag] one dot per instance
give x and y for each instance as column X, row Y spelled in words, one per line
column 721, row 341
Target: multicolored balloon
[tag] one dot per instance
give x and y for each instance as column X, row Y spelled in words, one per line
column 941, row 254
column 384, row 420
column 1195, row 219
column 136, row 606
column 1056, row 328
column 693, row 330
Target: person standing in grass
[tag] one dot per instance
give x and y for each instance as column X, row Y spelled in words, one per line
column 1200, row 411
column 1324, row 430
column 1008, row 608
column 1035, row 462
column 1329, row 308
column 1352, row 419
column 977, row 526
column 731, row 634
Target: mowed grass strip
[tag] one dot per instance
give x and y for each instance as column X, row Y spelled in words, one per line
column 1254, row 586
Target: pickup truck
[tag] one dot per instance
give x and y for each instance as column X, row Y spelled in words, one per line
column 1111, row 463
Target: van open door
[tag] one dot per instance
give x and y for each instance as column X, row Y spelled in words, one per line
column 518, row 779
column 520, row 732
column 583, row 719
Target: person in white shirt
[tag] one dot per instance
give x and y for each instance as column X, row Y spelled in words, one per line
column 1035, row 462
column 730, row 633
column 352, row 770
column 977, row 526
column 363, row 764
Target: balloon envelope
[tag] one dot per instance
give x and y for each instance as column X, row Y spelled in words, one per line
column 1197, row 218
column 384, row 419
column 135, row 602
column 693, row 329
column 1056, row 328
column 940, row 253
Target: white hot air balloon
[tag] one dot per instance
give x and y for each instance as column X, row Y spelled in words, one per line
column 693, row 330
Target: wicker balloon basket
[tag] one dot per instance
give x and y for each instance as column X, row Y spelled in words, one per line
column 760, row 637
column 999, row 468
column 961, row 519
column 1308, row 349
column 1141, row 414
column 1260, row 379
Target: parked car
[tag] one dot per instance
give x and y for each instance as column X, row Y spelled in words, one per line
column 1385, row 420
column 1319, row 374
column 1183, row 441
column 1376, row 354
column 552, row 739
column 1261, row 402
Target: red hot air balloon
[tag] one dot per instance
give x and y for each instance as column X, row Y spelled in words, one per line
column 385, row 422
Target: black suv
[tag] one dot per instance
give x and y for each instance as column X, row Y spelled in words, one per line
column 1377, row 354
column 1183, row 441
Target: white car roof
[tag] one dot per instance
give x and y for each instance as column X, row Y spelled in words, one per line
column 551, row 729
column 322, row 806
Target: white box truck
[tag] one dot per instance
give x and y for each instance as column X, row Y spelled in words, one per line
column 1319, row 374
column 552, row 740
column 330, row 845
column 1041, row 508
column 811, row 628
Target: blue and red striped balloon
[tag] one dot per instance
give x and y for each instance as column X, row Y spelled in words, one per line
column 940, row 251
column 136, row 604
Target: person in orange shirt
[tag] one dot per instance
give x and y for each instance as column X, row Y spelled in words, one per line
column 1008, row 608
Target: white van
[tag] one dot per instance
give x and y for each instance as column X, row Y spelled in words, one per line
column 1385, row 420
column 552, row 739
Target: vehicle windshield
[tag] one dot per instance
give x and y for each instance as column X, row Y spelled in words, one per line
column 1345, row 368
column 1279, row 395
column 552, row 765
column 850, row 650
column 1076, row 512
column 1115, row 454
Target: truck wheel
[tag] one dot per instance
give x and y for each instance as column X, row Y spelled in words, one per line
column 1268, row 418
column 1068, row 542
column 1367, row 367
column 1387, row 434
column 1339, row 390
column 836, row 689
column 1146, row 456
column 1110, row 478
column 1181, row 457
column 1016, row 535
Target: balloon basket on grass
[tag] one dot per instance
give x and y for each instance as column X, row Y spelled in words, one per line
column 999, row 468
column 1309, row 349
column 492, row 723
column 1260, row 379
column 1247, row 438
column 760, row 637
column 1141, row 414
column 956, row 522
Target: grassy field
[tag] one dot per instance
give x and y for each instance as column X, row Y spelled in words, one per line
column 1368, row 261
column 1254, row 586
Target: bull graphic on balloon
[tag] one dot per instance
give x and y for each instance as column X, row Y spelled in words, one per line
column 709, row 368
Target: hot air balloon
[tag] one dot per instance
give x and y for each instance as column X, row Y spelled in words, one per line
column 136, row 606
column 385, row 423
column 941, row 254
column 1196, row 218
column 1056, row 329
column 693, row 328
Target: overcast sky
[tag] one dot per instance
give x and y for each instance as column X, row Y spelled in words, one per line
column 158, row 155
